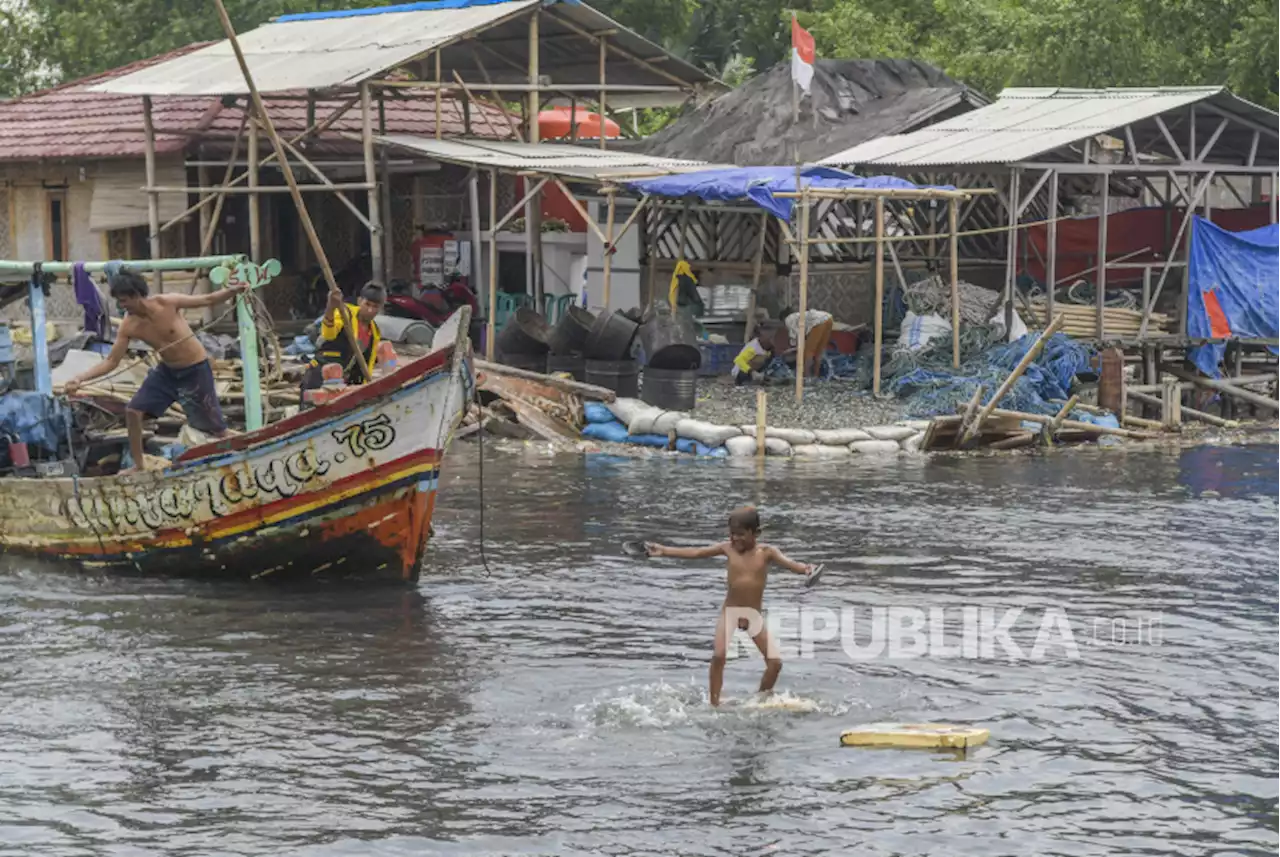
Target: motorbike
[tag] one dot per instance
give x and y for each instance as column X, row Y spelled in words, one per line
column 434, row 304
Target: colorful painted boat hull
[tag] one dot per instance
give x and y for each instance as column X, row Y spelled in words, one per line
column 342, row 491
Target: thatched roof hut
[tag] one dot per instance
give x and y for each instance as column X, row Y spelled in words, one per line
column 852, row 101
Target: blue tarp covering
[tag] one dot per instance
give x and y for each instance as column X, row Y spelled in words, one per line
column 759, row 184
column 1234, row 288
column 427, row 6
column 34, row 418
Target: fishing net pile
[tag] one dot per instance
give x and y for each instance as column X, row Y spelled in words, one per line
column 932, row 295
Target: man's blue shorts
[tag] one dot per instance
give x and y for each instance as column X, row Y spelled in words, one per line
column 192, row 388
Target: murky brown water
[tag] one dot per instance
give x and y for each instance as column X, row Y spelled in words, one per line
column 558, row 706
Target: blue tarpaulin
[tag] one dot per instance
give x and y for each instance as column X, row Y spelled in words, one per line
column 759, row 184
column 33, row 418
column 426, row 6
column 1234, row 288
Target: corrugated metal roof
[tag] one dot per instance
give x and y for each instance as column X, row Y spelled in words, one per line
column 75, row 121
column 1025, row 123
column 314, row 53
column 556, row 158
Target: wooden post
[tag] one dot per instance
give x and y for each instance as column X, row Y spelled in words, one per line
column 287, row 170
column 153, row 198
column 1004, row 388
column 535, row 98
column 493, row 265
column 879, row 307
column 1103, row 216
column 750, row 326
column 255, row 213
column 1171, row 403
column 762, row 404
column 1011, row 252
column 955, row 283
column 439, row 79
column 473, row 198
column 604, row 55
column 801, row 326
column 1051, row 274
column 1111, row 380
column 606, row 286
column 1148, row 399
column 371, row 179
column 654, row 214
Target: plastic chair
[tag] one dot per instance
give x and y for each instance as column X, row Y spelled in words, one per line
column 557, row 306
column 508, row 304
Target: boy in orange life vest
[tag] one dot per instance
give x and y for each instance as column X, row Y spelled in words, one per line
column 335, row 347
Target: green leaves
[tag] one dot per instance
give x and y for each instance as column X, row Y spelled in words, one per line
column 989, row 44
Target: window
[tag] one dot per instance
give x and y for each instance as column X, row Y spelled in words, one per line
column 56, row 233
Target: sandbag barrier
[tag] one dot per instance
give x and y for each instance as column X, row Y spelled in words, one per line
column 632, row 421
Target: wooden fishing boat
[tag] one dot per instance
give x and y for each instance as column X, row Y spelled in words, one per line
column 345, row 490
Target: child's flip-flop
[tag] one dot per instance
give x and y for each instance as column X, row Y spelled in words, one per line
column 814, row 575
column 635, row 550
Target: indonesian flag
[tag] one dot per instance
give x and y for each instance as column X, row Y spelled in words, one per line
column 802, row 54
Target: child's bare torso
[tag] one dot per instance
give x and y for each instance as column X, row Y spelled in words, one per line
column 745, row 578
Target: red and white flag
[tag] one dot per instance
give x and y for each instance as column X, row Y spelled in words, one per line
column 802, row 55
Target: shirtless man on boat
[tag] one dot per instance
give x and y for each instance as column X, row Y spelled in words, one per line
column 184, row 375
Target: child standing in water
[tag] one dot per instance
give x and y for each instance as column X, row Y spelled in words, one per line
column 748, row 571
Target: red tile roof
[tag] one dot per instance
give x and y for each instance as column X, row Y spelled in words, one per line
column 69, row 122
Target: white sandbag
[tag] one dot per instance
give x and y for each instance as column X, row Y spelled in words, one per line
column 708, row 434
column 914, row 425
column 912, row 444
column 840, row 437
column 741, row 446
column 642, row 421
column 776, row 446
column 669, row 421
column 893, row 433
column 790, row 435
column 625, row 410
column 875, row 447
column 817, row 450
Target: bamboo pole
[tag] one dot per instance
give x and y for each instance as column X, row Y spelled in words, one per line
column 1225, row 388
column 324, row 180
column 582, row 212
column 489, row 345
column 255, row 220
column 1103, row 219
column 439, row 132
column 969, row 409
column 1074, row 424
column 484, row 114
column 370, row 179
column 209, row 220
column 762, row 405
column 287, row 170
column 318, row 128
column 955, row 284
column 153, row 200
column 604, row 56
column 1004, row 388
column 1211, row 419
column 879, row 307
column 802, row 365
column 757, row 269
column 1062, row 414
column 1051, row 271
column 608, row 249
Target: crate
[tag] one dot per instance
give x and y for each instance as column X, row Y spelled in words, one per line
column 717, row 359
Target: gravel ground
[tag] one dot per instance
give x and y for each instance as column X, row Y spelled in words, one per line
column 827, row 405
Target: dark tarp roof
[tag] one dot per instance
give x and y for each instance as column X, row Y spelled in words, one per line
column 852, row 101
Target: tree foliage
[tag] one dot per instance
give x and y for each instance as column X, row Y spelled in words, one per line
column 989, row 44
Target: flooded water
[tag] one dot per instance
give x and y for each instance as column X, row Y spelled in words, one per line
column 557, row 703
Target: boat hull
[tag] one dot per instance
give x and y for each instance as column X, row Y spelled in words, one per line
column 345, row 491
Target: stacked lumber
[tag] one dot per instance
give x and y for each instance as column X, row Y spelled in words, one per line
column 1082, row 321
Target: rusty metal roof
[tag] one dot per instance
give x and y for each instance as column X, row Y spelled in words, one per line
column 578, row 162
column 1025, row 123
column 74, row 121
column 331, row 50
